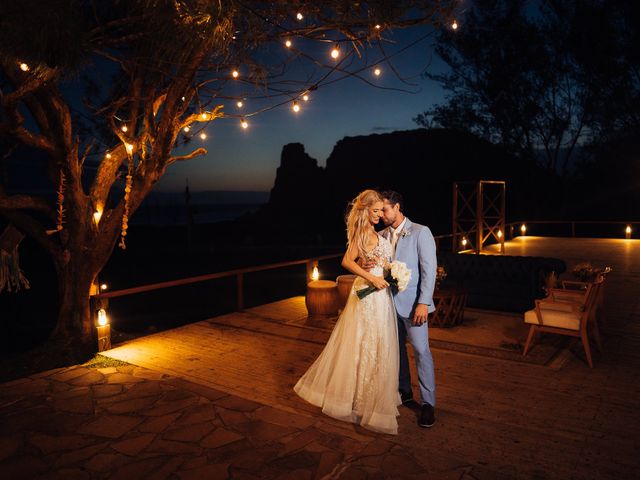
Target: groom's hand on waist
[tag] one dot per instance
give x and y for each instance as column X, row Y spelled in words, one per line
column 420, row 315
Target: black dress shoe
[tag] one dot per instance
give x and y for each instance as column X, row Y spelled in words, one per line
column 406, row 397
column 427, row 416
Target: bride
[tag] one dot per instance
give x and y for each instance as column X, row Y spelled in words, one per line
column 355, row 378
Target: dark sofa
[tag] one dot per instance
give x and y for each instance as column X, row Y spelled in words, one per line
column 499, row 282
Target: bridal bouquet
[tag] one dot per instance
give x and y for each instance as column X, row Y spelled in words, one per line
column 397, row 276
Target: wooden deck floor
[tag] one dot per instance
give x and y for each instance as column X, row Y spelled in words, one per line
column 505, row 419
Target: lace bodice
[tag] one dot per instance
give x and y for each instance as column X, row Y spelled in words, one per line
column 382, row 254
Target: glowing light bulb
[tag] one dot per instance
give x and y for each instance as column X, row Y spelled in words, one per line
column 295, row 107
column 108, row 156
column 523, row 229
column 240, row 104
column 102, row 317
column 377, row 26
column 454, row 25
column 315, row 275
column 24, row 67
column 377, row 72
column 335, row 53
column 186, row 129
column 104, row 287
column 124, row 128
column 183, row 99
column 627, row 232
column 244, row 124
column 464, row 242
column 203, row 136
column 235, row 74
column 204, row 115
column 288, row 43
column 299, row 16
column 129, row 147
column 305, row 97
column 499, row 233
column 97, row 215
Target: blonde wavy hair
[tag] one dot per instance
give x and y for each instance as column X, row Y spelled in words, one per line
column 358, row 219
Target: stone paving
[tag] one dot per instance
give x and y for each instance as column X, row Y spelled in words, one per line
column 127, row 422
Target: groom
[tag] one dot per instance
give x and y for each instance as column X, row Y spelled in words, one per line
column 414, row 245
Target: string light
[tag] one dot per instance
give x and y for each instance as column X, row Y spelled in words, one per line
column 235, row 74
column 124, row 128
column 377, row 26
column 240, row 104
column 203, row 136
column 24, row 67
column 108, row 155
column 129, row 147
column 523, row 229
column 377, row 72
column 454, row 25
column 464, row 242
column 244, row 124
column 103, row 287
column 299, row 16
column 335, row 53
column 288, row 43
column 186, row 129
column 499, row 233
column 305, row 97
column 295, row 107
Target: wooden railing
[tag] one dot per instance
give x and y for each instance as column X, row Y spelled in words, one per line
column 238, row 273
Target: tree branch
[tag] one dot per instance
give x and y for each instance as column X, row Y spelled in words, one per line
column 181, row 158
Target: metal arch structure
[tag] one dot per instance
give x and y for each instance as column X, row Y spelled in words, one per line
column 478, row 214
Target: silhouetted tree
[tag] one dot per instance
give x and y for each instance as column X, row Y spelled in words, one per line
column 135, row 75
column 541, row 78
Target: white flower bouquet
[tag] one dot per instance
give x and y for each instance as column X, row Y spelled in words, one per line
column 398, row 276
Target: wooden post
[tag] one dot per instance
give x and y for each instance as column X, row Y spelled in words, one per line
column 455, row 245
column 503, row 211
column 240, row 286
column 479, row 217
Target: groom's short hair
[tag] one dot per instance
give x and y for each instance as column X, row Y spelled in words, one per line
column 393, row 198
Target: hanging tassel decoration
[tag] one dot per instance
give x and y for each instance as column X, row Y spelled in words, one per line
column 60, row 205
column 125, row 216
column 11, row 276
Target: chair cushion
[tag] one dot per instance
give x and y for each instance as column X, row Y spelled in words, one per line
column 560, row 316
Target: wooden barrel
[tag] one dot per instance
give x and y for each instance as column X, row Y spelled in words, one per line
column 345, row 282
column 322, row 298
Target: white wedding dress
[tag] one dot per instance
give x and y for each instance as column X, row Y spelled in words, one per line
column 355, row 378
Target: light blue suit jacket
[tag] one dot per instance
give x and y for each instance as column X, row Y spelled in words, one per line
column 417, row 248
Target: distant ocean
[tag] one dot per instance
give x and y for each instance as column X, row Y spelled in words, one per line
column 170, row 208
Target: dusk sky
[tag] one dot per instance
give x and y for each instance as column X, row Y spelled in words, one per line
column 247, row 159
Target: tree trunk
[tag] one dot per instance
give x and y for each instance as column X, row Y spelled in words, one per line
column 75, row 319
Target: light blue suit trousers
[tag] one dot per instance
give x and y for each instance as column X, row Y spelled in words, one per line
column 416, row 247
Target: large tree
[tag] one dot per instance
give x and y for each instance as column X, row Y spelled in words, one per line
column 118, row 85
column 541, row 77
